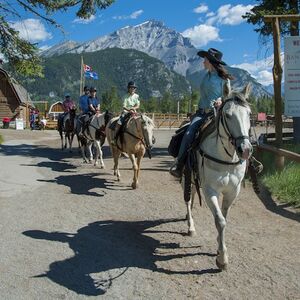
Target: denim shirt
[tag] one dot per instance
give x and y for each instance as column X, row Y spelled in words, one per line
column 211, row 88
column 83, row 103
column 94, row 101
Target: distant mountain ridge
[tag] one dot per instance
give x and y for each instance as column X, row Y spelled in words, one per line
column 115, row 68
column 159, row 41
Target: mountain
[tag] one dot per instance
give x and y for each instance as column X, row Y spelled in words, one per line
column 157, row 40
column 59, row 49
column 151, row 37
column 115, row 67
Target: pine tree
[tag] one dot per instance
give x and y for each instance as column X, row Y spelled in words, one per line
column 274, row 7
column 23, row 55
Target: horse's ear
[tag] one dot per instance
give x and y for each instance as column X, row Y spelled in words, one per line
column 247, row 90
column 226, row 89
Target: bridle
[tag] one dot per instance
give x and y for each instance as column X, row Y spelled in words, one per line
column 221, row 120
column 141, row 139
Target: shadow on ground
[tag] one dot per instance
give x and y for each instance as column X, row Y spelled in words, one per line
column 109, row 248
column 279, row 209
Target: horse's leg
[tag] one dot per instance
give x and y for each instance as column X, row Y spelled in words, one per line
column 135, row 171
column 89, row 149
column 66, row 140
column 189, row 207
column 99, row 155
column 70, row 138
column 212, row 202
column 61, row 139
column 222, row 258
column 138, row 162
column 116, row 154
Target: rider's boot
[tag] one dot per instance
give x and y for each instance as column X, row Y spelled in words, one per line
column 177, row 169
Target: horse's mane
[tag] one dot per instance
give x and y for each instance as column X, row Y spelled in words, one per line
column 143, row 116
column 238, row 97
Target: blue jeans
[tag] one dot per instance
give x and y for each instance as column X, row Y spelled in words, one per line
column 189, row 136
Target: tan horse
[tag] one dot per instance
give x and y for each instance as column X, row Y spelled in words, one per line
column 137, row 138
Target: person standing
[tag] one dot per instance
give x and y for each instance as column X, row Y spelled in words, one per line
column 131, row 103
column 211, row 92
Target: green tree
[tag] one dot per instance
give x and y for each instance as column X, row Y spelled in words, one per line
column 274, row 7
column 111, row 101
column 151, row 105
column 166, row 103
column 195, row 100
column 23, row 55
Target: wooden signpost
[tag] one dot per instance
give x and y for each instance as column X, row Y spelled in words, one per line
column 277, row 75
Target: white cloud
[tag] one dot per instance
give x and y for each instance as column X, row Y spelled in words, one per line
column 134, row 15
column 84, row 21
column 210, row 14
column 229, row 15
column 261, row 70
column 202, row 34
column 202, row 8
column 265, row 77
column 32, row 30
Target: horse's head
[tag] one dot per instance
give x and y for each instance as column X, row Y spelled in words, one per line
column 108, row 116
column 147, row 127
column 234, row 115
column 72, row 111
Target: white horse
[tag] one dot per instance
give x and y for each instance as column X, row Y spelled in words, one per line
column 94, row 134
column 221, row 164
column 137, row 138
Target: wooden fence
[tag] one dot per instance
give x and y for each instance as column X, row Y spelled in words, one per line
column 280, row 153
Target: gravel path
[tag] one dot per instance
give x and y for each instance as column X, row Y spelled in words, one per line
column 70, row 231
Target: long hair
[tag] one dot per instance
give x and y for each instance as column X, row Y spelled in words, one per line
column 222, row 72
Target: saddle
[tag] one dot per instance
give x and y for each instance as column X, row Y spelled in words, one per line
column 123, row 126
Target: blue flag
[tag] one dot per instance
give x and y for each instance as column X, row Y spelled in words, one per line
column 91, row 74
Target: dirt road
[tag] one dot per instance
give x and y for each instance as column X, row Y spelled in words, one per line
column 70, row 231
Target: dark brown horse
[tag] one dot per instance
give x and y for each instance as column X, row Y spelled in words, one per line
column 66, row 128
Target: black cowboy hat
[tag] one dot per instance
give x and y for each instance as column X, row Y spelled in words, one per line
column 213, row 55
column 131, row 84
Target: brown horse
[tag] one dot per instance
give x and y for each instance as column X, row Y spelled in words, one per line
column 66, row 125
column 136, row 138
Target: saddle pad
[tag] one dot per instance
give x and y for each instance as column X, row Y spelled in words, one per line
column 113, row 125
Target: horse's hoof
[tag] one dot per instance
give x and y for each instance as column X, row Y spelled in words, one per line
column 222, row 267
column 134, row 185
column 191, row 233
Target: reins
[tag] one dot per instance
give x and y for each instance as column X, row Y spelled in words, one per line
column 221, row 119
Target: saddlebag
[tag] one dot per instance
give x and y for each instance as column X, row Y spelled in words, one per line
column 176, row 140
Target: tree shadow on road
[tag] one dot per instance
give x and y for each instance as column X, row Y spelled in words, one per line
column 35, row 151
column 83, row 184
column 104, row 250
column 279, row 209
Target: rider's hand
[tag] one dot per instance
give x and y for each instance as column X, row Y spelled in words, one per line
column 217, row 103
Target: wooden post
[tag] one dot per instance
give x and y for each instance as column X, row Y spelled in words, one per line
column 81, row 77
column 277, row 76
column 275, row 19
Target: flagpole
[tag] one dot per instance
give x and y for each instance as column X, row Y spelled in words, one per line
column 81, row 77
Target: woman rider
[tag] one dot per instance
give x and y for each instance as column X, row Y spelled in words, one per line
column 211, row 91
column 131, row 103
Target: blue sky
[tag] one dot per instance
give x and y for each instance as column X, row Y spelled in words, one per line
column 208, row 24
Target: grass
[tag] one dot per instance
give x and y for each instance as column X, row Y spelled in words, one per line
column 1, row 139
column 284, row 185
